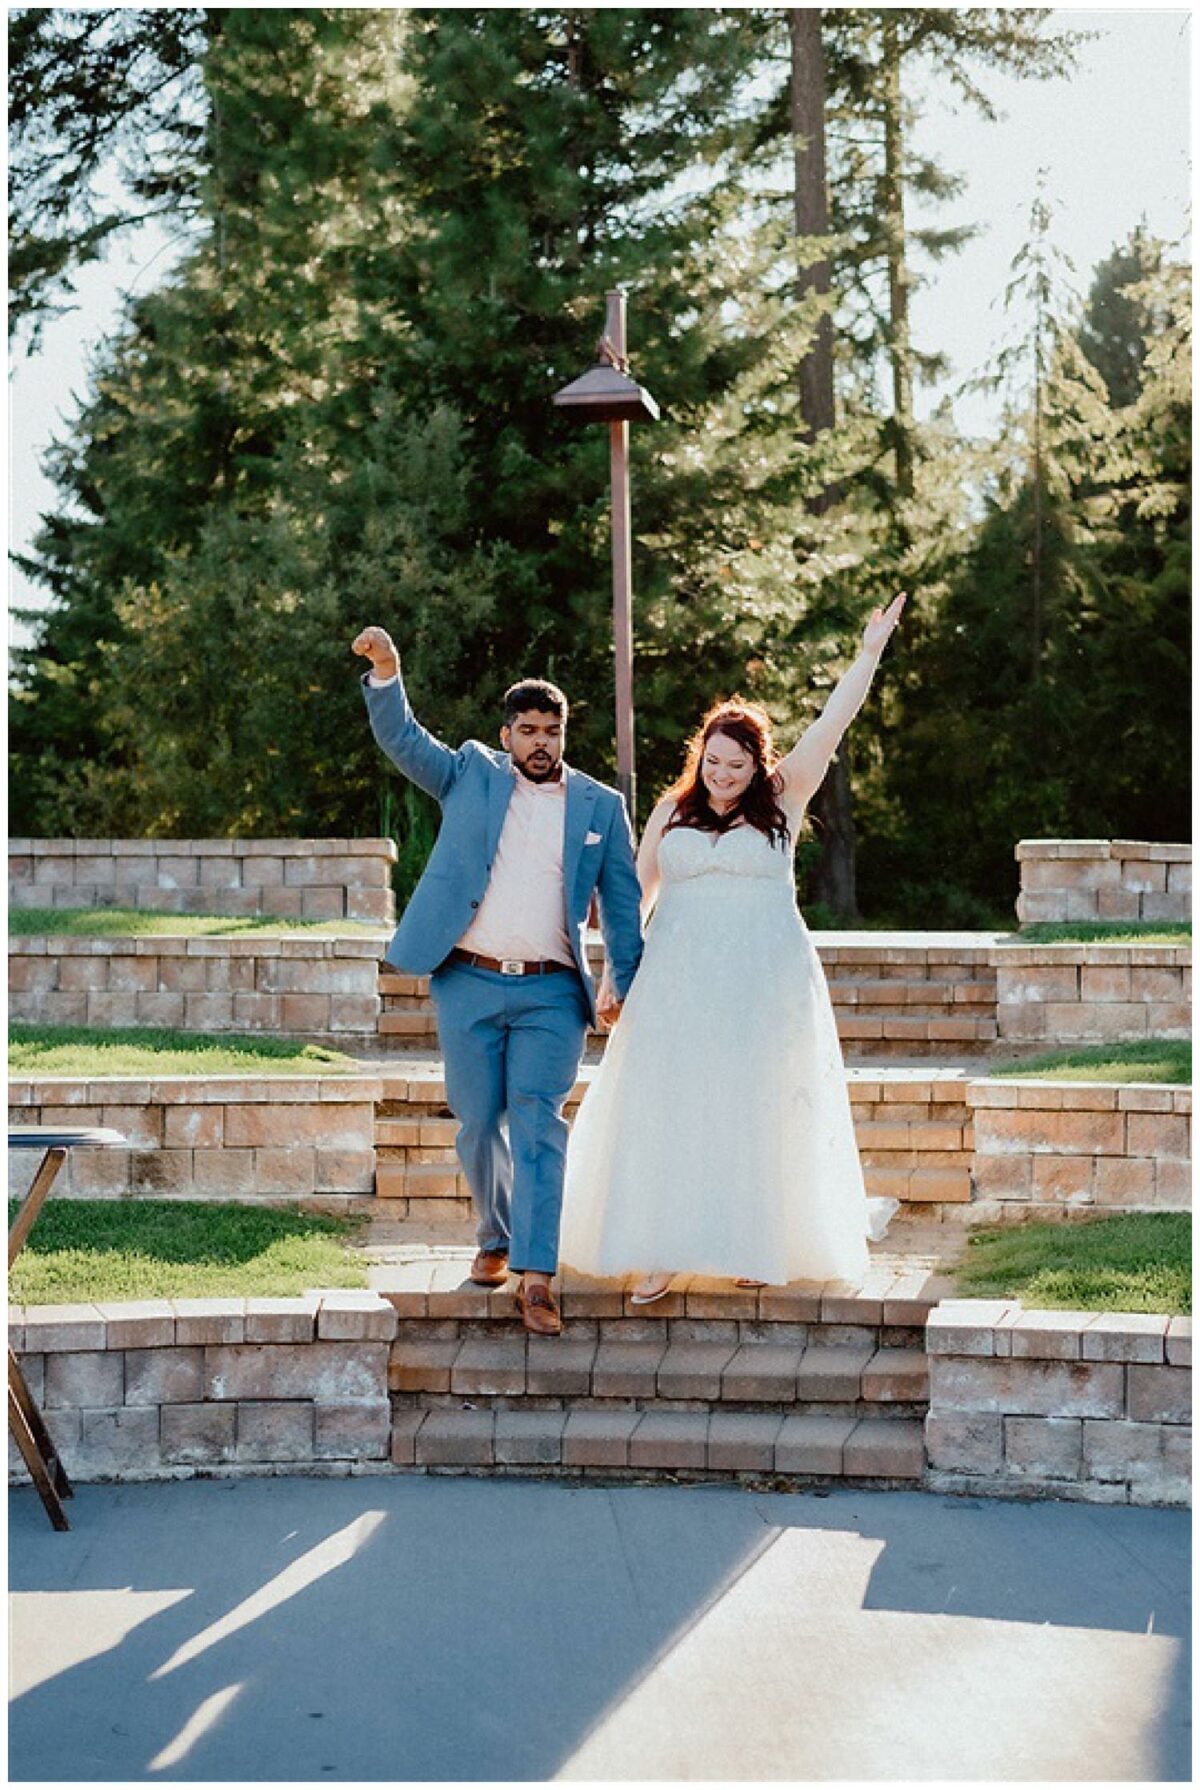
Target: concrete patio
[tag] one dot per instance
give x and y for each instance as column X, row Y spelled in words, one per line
column 447, row 1629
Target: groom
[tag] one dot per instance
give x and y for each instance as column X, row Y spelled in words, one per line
column 498, row 918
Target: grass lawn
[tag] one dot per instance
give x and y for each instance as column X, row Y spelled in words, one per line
column 129, row 923
column 96, row 1250
column 1105, row 932
column 136, row 1051
column 1140, row 1262
column 1146, row 1059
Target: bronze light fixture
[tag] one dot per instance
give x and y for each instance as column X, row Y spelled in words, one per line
column 607, row 394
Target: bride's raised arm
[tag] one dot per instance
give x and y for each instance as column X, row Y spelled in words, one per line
column 802, row 771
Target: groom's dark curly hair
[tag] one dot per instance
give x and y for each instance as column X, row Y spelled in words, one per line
column 535, row 693
column 758, row 806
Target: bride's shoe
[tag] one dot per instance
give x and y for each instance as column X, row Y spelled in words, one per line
column 653, row 1287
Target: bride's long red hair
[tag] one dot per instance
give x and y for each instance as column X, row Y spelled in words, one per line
column 750, row 727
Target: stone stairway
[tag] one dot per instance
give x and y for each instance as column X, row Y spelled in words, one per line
column 809, row 1383
column 913, row 1126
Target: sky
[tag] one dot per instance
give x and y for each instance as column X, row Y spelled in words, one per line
column 1114, row 140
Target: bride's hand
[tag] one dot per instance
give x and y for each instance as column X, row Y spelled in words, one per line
column 878, row 630
column 608, row 1007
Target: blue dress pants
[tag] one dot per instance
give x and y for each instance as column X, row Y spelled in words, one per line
column 511, row 1046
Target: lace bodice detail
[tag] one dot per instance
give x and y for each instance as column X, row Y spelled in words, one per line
column 687, row 853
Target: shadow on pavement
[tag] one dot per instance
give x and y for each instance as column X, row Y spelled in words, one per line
column 480, row 1630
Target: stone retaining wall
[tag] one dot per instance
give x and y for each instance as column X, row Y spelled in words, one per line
column 1075, row 1405
column 165, row 1388
column 1103, row 879
column 1055, row 996
column 1061, row 1404
column 279, row 1139
column 1082, row 1144
column 306, row 987
column 310, row 879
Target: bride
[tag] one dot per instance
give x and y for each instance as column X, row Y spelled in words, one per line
column 717, row 1137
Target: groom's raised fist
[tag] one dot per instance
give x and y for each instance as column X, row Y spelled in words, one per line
column 376, row 645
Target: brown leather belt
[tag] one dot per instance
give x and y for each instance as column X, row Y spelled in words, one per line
column 507, row 966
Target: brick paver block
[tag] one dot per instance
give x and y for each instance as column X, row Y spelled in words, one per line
column 1030, row 1388
column 59, row 1329
column 139, row 1324
column 331, row 1373
column 402, row 1448
column 842, row 1303
column 94, row 1378
column 1046, row 1335
column 1043, row 1447
column 198, row 1434
column 797, row 1303
column 708, row 1297
column 965, row 1326
column 965, row 1441
column 528, row 1438
column 693, row 1369
column 405, row 1287
column 885, row 1448
column 1159, row 1394
column 597, row 1438
column 558, row 1367
column 832, row 1371
column 490, row 1365
column 1179, row 1342
column 281, row 1320
column 351, row 1432
column 207, row 1321
column 356, row 1317
column 670, row 1440
column 422, row 1366
column 164, row 1376
column 1123, row 1451
column 112, row 1444
column 913, row 1297
column 580, row 1296
column 762, row 1373
column 455, row 1439
column 274, row 1430
column 896, row 1374
column 811, row 1444
column 627, row 1370
column 743, row 1441
column 1125, row 1336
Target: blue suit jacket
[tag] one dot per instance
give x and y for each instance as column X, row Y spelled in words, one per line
column 473, row 785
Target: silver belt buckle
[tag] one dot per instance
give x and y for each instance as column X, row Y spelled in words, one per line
column 511, row 966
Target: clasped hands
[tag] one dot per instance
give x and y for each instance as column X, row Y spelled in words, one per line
column 608, row 1006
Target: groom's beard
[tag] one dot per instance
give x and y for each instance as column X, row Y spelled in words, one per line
column 540, row 767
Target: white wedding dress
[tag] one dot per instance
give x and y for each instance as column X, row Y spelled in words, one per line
column 716, row 1137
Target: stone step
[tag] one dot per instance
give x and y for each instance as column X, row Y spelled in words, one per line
column 682, row 1444
column 889, row 1307
column 664, row 1373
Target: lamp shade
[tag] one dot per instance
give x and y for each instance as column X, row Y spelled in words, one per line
column 605, row 395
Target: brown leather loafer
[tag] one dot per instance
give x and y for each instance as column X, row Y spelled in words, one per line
column 539, row 1313
column 488, row 1270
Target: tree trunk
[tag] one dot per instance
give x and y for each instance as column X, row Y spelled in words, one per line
column 811, row 212
column 899, row 341
column 833, row 879
column 833, row 882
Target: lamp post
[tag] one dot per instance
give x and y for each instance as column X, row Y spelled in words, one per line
column 606, row 393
